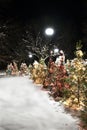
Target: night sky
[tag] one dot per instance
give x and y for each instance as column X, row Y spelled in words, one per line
column 47, row 12
column 28, row 9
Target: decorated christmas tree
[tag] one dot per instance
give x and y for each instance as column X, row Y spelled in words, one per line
column 55, row 80
column 9, row 69
column 84, row 110
column 77, row 79
column 24, row 69
column 12, row 69
column 39, row 72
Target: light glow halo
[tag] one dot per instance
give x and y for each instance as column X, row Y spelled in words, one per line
column 49, row 31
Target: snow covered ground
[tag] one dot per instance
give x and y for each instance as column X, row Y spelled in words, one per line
column 23, row 106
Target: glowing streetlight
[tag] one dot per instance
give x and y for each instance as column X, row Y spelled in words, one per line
column 49, row 31
column 56, row 50
column 30, row 55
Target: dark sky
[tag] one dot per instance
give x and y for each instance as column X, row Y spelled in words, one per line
column 27, row 9
column 52, row 12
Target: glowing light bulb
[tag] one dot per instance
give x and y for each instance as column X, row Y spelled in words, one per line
column 49, row 31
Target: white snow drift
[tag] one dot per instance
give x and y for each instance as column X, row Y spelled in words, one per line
column 23, row 106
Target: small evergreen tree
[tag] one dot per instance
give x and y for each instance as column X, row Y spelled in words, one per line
column 77, row 77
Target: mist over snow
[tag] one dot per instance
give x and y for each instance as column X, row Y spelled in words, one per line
column 24, row 106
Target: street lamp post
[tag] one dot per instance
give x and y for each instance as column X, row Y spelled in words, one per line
column 49, row 32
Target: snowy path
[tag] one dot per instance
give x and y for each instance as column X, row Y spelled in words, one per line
column 24, row 106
